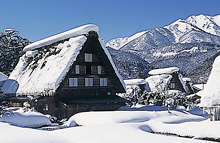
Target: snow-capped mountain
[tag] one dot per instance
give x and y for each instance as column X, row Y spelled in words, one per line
column 178, row 29
column 195, row 23
column 183, row 43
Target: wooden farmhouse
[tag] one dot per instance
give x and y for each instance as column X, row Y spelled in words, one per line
column 165, row 79
column 68, row 73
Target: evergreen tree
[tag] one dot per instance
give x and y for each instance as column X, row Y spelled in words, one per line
column 11, row 47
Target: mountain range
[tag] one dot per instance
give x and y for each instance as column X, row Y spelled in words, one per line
column 187, row 44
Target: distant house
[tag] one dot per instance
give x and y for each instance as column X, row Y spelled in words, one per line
column 165, row 79
column 68, row 73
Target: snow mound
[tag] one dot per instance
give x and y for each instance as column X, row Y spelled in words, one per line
column 10, row 87
column 169, row 70
column 83, row 30
column 24, row 118
column 3, row 77
column 211, row 94
column 135, row 115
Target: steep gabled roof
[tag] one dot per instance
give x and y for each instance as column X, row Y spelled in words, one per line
column 46, row 63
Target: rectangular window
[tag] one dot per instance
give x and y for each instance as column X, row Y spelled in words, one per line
column 88, row 81
column 88, row 57
column 103, row 81
column 172, row 85
column 45, row 107
column 73, row 82
column 99, row 70
column 77, row 69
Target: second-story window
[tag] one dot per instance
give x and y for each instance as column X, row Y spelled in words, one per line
column 77, row 69
column 73, row 82
column 99, row 70
column 88, row 81
column 88, row 57
column 172, row 85
column 103, row 81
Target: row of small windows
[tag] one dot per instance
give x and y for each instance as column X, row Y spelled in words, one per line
column 73, row 82
column 88, row 69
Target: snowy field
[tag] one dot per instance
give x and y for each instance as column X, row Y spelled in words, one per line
column 146, row 124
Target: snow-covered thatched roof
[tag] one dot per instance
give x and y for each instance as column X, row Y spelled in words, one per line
column 169, row 70
column 211, row 94
column 158, row 82
column 45, row 64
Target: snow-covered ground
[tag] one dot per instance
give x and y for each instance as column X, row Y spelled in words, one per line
column 24, row 117
column 125, row 125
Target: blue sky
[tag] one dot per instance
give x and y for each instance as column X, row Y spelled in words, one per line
column 39, row 19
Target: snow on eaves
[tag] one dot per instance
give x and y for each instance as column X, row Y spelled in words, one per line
column 83, row 30
column 169, row 70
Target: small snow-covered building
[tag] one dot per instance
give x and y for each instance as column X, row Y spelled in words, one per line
column 210, row 100
column 165, row 79
column 69, row 73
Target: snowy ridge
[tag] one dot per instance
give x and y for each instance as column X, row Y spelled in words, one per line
column 201, row 22
column 83, row 30
column 120, row 42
